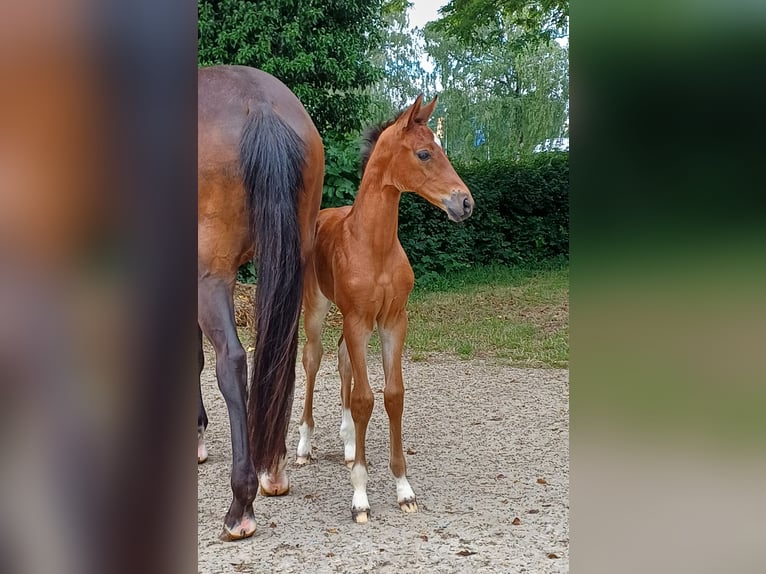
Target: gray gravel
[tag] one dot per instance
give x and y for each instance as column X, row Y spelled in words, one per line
column 478, row 437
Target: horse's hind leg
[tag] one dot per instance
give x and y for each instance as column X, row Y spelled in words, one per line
column 315, row 308
column 216, row 318
column 392, row 335
column 347, row 422
column 202, row 415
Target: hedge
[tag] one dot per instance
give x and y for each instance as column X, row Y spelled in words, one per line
column 521, row 217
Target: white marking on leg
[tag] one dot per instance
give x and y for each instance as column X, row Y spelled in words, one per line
column 359, row 482
column 304, row 444
column 348, row 434
column 404, row 491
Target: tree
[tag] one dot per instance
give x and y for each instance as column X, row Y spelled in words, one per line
column 318, row 48
column 503, row 95
column 398, row 55
column 536, row 19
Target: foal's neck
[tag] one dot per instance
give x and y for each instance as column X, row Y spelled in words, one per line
column 374, row 217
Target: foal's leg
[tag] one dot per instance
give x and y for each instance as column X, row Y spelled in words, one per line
column 315, row 308
column 356, row 334
column 347, row 421
column 201, row 414
column 392, row 335
column 216, row 318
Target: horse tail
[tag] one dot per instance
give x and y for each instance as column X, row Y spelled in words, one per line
column 272, row 158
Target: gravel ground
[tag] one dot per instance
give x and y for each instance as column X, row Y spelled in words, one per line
column 487, row 456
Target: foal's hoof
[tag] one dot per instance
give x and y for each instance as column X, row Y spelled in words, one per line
column 360, row 516
column 242, row 529
column 301, row 460
column 409, row 505
column 349, row 463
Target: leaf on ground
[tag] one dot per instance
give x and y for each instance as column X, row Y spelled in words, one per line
column 504, row 501
column 410, row 451
column 332, row 530
column 533, row 511
column 552, row 555
column 516, row 521
column 465, row 553
column 499, row 476
column 542, row 481
column 424, row 538
column 330, row 554
column 310, row 496
column 273, row 525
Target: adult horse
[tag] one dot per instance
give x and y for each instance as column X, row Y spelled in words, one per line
column 359, row 264
column 261, row 168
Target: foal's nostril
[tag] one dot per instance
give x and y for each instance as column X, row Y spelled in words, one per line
column 467, row 204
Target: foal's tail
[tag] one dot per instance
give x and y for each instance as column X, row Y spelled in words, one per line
column 272, row 162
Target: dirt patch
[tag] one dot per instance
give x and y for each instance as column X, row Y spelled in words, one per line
column 487, row 453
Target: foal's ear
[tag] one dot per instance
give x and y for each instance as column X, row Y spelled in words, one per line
column 426, row 111
column 411, row 115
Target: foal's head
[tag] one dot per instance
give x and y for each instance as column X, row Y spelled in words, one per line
column 412, row 159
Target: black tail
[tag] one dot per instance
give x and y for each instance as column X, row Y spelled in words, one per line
column 272, row 160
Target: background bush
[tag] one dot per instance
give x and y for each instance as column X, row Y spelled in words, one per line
column 521, row 216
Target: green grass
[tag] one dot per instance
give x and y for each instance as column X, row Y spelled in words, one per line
column 519, row 316
column 516, row 316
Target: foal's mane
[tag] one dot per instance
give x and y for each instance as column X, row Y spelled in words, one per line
column 370, row 138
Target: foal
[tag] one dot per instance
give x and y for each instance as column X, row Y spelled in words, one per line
column 359, row 264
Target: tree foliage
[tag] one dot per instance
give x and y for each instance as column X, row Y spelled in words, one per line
column 538, row 19
column 318, row 48
column 399, row 57
column 502, row 96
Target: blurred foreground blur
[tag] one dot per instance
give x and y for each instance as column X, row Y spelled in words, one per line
column 97, row 286
column 668, row 317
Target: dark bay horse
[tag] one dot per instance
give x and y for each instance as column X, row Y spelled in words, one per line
column 261, row 169
column 359, row 264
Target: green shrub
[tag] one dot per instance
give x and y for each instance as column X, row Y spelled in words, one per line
column 342, row 171
column 521, row 217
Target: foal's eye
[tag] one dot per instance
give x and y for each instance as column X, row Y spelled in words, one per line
column 423, row 155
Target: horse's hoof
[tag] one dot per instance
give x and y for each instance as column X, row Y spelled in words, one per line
column 245, row 528
column 360, row 516
column 274, row 484
column 201, row 448
column 269, row 487
column 275, row 490
column 301, row 460
column 410, row 505
column 349, row 463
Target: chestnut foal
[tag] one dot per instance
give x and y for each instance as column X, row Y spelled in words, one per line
column 359, row 264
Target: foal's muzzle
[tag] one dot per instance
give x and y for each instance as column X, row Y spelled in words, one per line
column 459, row 205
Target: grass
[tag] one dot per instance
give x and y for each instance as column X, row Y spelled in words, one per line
column 518, row 316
